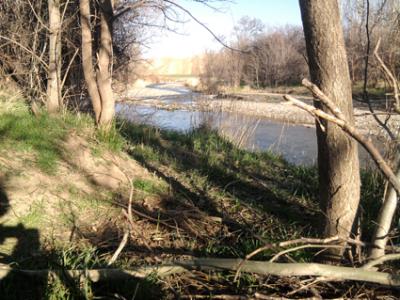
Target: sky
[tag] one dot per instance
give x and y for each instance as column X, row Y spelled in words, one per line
column 194, row 39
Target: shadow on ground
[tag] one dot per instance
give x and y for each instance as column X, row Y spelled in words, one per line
column 25, row 246
column 223, row 181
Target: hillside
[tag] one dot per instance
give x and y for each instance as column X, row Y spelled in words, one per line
column 65, row 189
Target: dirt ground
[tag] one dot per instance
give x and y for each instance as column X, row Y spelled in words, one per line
column 74, row 201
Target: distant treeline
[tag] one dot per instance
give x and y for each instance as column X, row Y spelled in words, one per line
column 277, row 56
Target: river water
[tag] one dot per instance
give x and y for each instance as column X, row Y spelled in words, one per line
column 296, row 143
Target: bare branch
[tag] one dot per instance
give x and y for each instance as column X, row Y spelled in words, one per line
column 381, row 260
column 390, row 75
column 204, row 26
column 283, row 252
column 349, row 129
column 333, row 273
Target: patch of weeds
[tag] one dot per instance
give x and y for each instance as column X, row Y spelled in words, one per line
column 35, row 215
column 304, row 181
column 144, row 153
column 39, row 134
column 245, row 281
column 78, row 120
column 65, row 287
column 148, row 186
column 111, row 138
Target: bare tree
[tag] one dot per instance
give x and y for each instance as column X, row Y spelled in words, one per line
column 338, row 163
column 99, row 87
column 104, row 70
column 87, row 57
column 54, row 79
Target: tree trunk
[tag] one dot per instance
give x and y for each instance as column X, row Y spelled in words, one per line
column 87, row 58
column 104, row 71
column 338, row 164
column 54, row 72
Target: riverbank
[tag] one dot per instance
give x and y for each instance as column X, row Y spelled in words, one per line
column 65, row 189
column 263, row 105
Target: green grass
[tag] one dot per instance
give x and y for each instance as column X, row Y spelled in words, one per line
column 260, row 197
column 216, row 169
column 62, row 287
column 111, row 139
column 373, row 92
column 35, row 215
column 39, row 135
column 148, row 186
column 42, row 135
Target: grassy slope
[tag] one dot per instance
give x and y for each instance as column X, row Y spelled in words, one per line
column 207, row 198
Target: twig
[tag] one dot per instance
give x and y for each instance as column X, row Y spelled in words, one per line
column 276, row 256
column 390, row 75
column 353, row 132
column 119, row 249
column 38, row 58
column 365, row 84
column 127, row 232
column 216, row 297
column 308, row 285
column 265, row 297
column 204, row 26
column 285, row 244
column 141, row 234
column 387, row 210
column 381, row 260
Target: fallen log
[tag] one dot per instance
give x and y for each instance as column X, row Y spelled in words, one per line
column 331, row 273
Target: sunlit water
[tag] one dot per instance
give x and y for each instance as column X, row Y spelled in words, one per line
column 296, row 143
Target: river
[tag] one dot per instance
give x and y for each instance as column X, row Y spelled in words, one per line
column 296, row 143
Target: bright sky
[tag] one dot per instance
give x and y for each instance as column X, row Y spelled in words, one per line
column 194, row 39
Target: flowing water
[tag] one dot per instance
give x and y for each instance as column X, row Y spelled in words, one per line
column 296, row 143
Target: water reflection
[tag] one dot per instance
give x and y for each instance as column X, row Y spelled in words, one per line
column 296, row 143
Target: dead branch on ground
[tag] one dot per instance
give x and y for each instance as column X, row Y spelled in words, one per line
column 387, row 210
column 331, row 273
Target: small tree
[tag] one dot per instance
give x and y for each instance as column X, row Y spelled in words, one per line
column 54, row 73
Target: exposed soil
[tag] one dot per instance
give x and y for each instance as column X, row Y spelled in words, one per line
column 77, row 197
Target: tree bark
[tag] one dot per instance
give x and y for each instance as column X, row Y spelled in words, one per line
column 385, row 217
column 87, row 58
column 338, row 164
column 54, row 72
column 104, row 71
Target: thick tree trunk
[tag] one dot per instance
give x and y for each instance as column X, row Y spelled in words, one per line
column 104, row 71
column 87, row 58
column 54, row 73
column 338, row 164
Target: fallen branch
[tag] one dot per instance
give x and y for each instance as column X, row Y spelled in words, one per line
column 381, row 260
column 96, row 275
column 120, row 248
column 283, row 252
column 334, row 273
column 389, row 205
column 216, row 297
column 282, row 245
column 128, row 230
column 382, row 165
